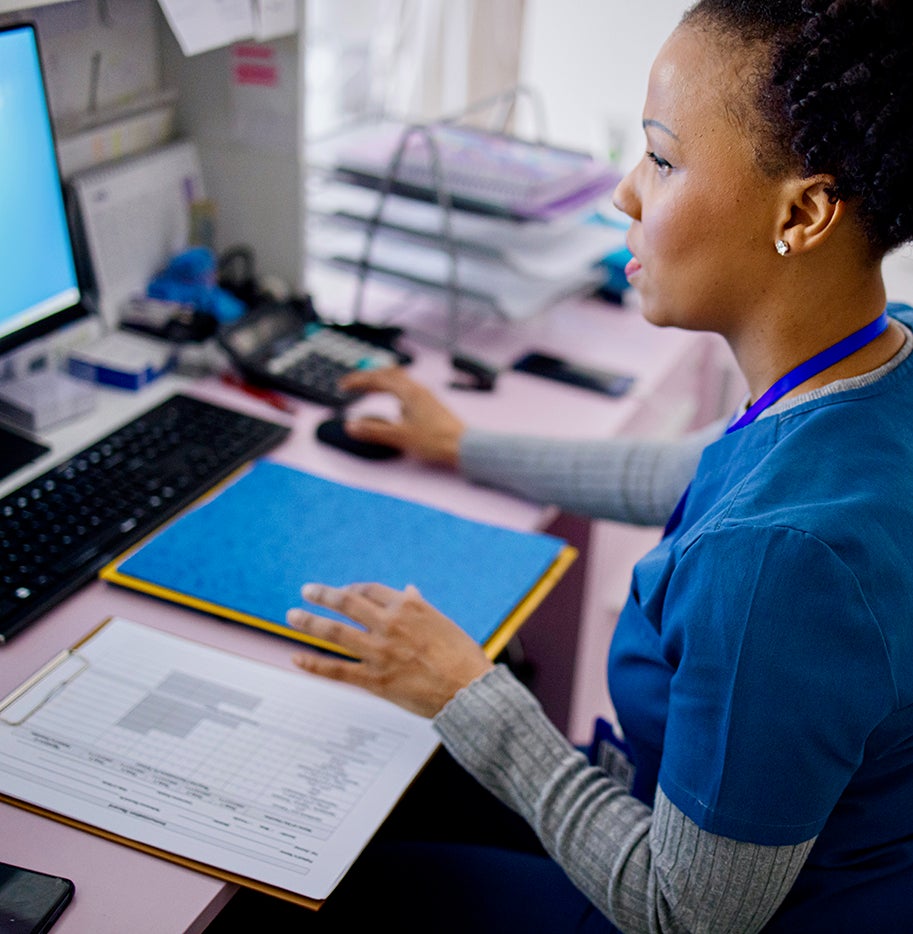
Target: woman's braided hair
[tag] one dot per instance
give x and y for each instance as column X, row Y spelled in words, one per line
column 834, row 91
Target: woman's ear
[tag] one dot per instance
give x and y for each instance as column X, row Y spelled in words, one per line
column 810, row 214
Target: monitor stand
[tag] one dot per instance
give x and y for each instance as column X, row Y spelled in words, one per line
column 16, row 451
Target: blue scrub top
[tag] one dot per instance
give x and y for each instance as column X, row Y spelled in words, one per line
column 762, row 669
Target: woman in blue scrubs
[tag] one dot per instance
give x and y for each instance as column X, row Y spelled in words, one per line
column 762, row 669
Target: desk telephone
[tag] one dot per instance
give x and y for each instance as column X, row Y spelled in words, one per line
column 286, row 346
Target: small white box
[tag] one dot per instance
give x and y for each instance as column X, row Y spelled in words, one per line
column 40, row 400
column 121, row 359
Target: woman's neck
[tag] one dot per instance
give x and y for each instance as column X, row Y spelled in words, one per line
column 781, row 342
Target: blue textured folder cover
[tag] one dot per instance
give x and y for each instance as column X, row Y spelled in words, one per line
column 249, row 549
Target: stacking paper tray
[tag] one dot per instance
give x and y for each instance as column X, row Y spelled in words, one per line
column 480, row 279
column 479, row 217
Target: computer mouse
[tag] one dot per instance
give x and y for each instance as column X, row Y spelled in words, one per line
column 333, row 432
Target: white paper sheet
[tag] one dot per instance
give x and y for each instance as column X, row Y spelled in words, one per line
column 274, row 18
column 277, row 776
column 201, row 25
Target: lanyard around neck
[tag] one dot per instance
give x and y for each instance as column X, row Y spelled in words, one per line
column 795, row 377
column 812, row 367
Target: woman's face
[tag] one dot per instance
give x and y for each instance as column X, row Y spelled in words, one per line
column 704, row 215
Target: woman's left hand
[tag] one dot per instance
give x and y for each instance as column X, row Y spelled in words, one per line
column 408, row 652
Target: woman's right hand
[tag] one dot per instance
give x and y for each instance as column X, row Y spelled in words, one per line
column 426, row 429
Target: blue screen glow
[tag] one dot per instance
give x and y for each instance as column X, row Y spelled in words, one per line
column 37, row 271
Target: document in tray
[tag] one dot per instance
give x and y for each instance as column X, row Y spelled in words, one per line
column 267, row 777
column 245, row 552
column 550, row 251
column 514, row 294
column 481, row 171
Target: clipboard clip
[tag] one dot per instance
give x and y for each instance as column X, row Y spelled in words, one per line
column 44, row 685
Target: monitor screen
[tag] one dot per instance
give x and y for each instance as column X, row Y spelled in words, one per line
column 38, row 282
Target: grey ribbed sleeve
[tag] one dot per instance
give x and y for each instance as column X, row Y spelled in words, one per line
column 628, row 480
column 647, row 870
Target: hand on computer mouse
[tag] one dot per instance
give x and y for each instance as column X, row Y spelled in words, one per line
column 334, row 432
column 427, row 429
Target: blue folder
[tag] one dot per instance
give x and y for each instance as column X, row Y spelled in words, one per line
column 244, row 552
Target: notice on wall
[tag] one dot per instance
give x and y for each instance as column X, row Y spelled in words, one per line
column 264, row 80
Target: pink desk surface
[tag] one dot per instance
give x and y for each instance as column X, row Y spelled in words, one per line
column 119, row 889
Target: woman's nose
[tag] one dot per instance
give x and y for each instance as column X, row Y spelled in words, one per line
column 625, row 196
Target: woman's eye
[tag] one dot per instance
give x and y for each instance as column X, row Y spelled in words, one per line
column 659, row 162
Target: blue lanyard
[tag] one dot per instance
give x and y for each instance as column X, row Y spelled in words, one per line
column 795, row 377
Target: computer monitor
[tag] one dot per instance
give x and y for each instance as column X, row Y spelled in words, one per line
column 39, row 290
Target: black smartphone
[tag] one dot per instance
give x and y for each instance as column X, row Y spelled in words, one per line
column 30, row 901
column 574, row 374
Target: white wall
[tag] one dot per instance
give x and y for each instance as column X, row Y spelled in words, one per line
column 589, row 60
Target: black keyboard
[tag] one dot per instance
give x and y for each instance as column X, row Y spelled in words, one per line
column 59, row 529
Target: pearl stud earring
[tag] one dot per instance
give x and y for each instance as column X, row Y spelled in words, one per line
column 782, row 247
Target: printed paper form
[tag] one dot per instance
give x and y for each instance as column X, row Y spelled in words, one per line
column 273, row 775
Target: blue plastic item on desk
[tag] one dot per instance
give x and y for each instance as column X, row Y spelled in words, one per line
column 190, row 278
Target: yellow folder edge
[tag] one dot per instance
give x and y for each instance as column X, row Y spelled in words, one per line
column 493, row 646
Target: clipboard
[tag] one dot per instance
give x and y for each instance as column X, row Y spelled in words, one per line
column 39, row 689
column 487, row 578
column 98, row 654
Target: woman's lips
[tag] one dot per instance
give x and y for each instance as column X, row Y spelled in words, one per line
column 632, row 267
